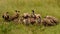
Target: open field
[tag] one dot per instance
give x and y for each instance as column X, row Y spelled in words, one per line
column 43, row 7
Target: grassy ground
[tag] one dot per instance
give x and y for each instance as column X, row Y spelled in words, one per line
column 43, row 7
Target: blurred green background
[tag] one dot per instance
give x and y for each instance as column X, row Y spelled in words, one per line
column 42, row 7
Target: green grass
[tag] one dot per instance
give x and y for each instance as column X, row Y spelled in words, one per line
column 43, row 7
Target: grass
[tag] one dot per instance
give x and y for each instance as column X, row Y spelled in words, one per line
column 43, row 7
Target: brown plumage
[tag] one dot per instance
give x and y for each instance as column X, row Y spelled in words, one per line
column 25, row 18
column 32, row 21
column 15, row 16
column 38, row 18
column 5, row 16
column 47, row 22
column 53, row 19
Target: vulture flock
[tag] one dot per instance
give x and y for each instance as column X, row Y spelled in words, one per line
column 32, row 18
